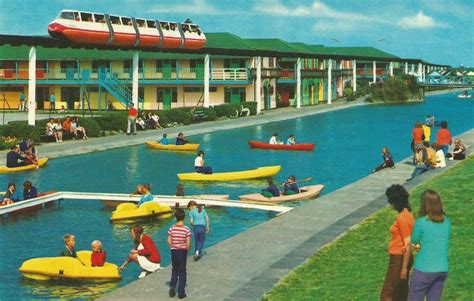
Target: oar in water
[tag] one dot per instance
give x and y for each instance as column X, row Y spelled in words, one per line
column 300, row 181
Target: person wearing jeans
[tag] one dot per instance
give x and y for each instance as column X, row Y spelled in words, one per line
column 200, row 221
column 179, row 240
column 431, row 236
column 429, row 161
column 132, row 120
column 444, row 138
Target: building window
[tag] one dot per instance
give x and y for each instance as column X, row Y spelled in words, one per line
column 234, row 95
column 70, row 95
column 127, row 66
column 161, row 64
column 162, row 93
column 100, row 64
column 234, row 63
column 199, row 89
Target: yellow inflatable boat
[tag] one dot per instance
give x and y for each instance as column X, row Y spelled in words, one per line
column 62, row 267
column 129, row 211
column 172, row 147
column 258, row 173
column 41, row 163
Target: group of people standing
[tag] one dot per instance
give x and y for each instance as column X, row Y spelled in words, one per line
column 427, row 236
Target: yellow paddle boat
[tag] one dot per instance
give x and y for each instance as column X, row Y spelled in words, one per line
column 258, row 173
column 62, row 267
column 41, row 163
column 129, row 211
column 306, row 193
column 172, row 147
column 114, row 204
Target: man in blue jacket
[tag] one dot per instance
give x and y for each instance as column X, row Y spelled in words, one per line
column 13, row 156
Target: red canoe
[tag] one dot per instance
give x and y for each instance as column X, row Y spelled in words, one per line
column 295, row 147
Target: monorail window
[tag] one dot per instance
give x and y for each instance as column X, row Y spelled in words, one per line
column 86, row 17
column 141, row 23
column 99, row 18
column 185, row 28
column 126, row 21
column 115, row 20
column 165, row 25
column 150, row 24
column 195, row 28
column 173, row 26
column 68, row 15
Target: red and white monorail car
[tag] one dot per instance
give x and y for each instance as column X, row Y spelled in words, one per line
column 103, row 29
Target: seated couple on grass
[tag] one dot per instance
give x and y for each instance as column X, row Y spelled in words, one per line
column 289, row 188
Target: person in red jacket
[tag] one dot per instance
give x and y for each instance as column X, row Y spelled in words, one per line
column 132, row 120
column 418, row 135
column 98, row 255
column 145, row 253
column 444, row 138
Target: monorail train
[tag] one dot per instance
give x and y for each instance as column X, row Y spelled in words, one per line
column 104, row 29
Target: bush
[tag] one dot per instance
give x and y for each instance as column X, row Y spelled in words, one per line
column 252, row 106
column 8, row 142
column 112, row 121
column 395, row 89
column 164, row 120
column 225, row 110
column 21, row 130
column 210, row 114
column 92, row 126
column 179, row 116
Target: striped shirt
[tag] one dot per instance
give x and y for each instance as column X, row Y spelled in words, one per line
column 179, row 235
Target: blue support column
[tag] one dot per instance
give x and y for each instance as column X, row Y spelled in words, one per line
column 177, row 69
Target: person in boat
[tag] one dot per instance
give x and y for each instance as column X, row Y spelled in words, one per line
column 30, row 155
column 11, row 196
column 180, row 139
column 145, row 253
column 444, row 138
column 179, row 190
column 69, row 244
column 13, row 156
column 138, row 190
column 465, row 93
column 274, row 139
column 199, row 219
column 440, row 158
column 291, row 140
column 146, row 194
column 98, row 256
column 430, row 120
column 459, row 152
column 29, row 191
column 387, row 160
column 199, row 164
column 164, row 140
column 271, row 190
column 290, row 187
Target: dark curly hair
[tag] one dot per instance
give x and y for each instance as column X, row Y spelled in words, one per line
column 397, row 196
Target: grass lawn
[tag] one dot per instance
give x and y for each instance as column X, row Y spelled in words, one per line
column 354, row 266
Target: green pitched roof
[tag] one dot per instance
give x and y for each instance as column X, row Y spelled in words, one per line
column 369, row 52
column 276, row 45
column 302, row 47
column 225, row 40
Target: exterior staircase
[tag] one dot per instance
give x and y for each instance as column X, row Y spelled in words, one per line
column 120, row 91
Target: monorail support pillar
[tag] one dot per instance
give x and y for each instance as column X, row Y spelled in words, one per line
column 32, row 86
column 354, row 76
column 391, row 69
column 298, row 83
column 207, row 65
column 406, row 67
column 330, row 81
column 258, row 84
column 135, row 80
column 374, row 72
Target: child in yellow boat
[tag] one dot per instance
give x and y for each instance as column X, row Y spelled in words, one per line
column 70, row 243
column 98, row 255
column 290, row 187
column 199, row 164
column 164, row 140
column 146, row 194
column 138, row 191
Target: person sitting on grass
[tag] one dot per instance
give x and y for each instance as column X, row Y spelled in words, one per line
column 291, row 140
column 13, row 156
column 274, row 139
column 387, row 160
column 29, row 191
column 164, row 140
column 180, row 139
column 440, row 158
column 199, row 164
column 146, row 194
column 428, row 163
column 459, row 152
column 271, row 190
column 11, row 196
column 69, row 244
column 290, row 187
column 98, row 255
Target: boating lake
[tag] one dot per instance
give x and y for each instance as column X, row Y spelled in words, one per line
column 348, row 146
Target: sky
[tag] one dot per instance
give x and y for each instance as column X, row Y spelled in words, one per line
column 438, row 31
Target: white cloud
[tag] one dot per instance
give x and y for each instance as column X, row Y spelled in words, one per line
column 196, row 7
column 275, row 7
column 419, row 21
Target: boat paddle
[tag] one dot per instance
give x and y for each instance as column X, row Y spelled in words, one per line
column 300, row 181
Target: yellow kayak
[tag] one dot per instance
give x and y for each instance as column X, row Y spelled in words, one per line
column 259, row 173
column 129, row 211
column 62, row 267
column 41, row 163
column 173, row 147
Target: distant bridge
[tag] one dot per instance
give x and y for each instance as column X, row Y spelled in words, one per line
column 450, row 86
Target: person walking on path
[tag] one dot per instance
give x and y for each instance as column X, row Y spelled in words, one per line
column 444, row 138
column 431, row 236
column 200, row 221
column 395, row 286
column 52, row 102
column 179, row 240
column 22, row 101
column 132, row 120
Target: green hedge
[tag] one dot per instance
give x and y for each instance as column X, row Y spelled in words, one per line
column 116, row 121
column 179, row 116
column 20, row 129
column 91, row 125
column 228, row 109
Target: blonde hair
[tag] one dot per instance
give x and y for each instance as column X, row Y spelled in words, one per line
column 68, row 237
column 97, row 242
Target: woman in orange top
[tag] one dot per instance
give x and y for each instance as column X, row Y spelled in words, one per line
column 418, row 136
column 444, row 138
column 395, row 286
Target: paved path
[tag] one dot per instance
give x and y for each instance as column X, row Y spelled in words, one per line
column 248, row 265
column 77, row 147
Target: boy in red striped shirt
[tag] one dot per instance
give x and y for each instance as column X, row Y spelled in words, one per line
column 179, row 240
